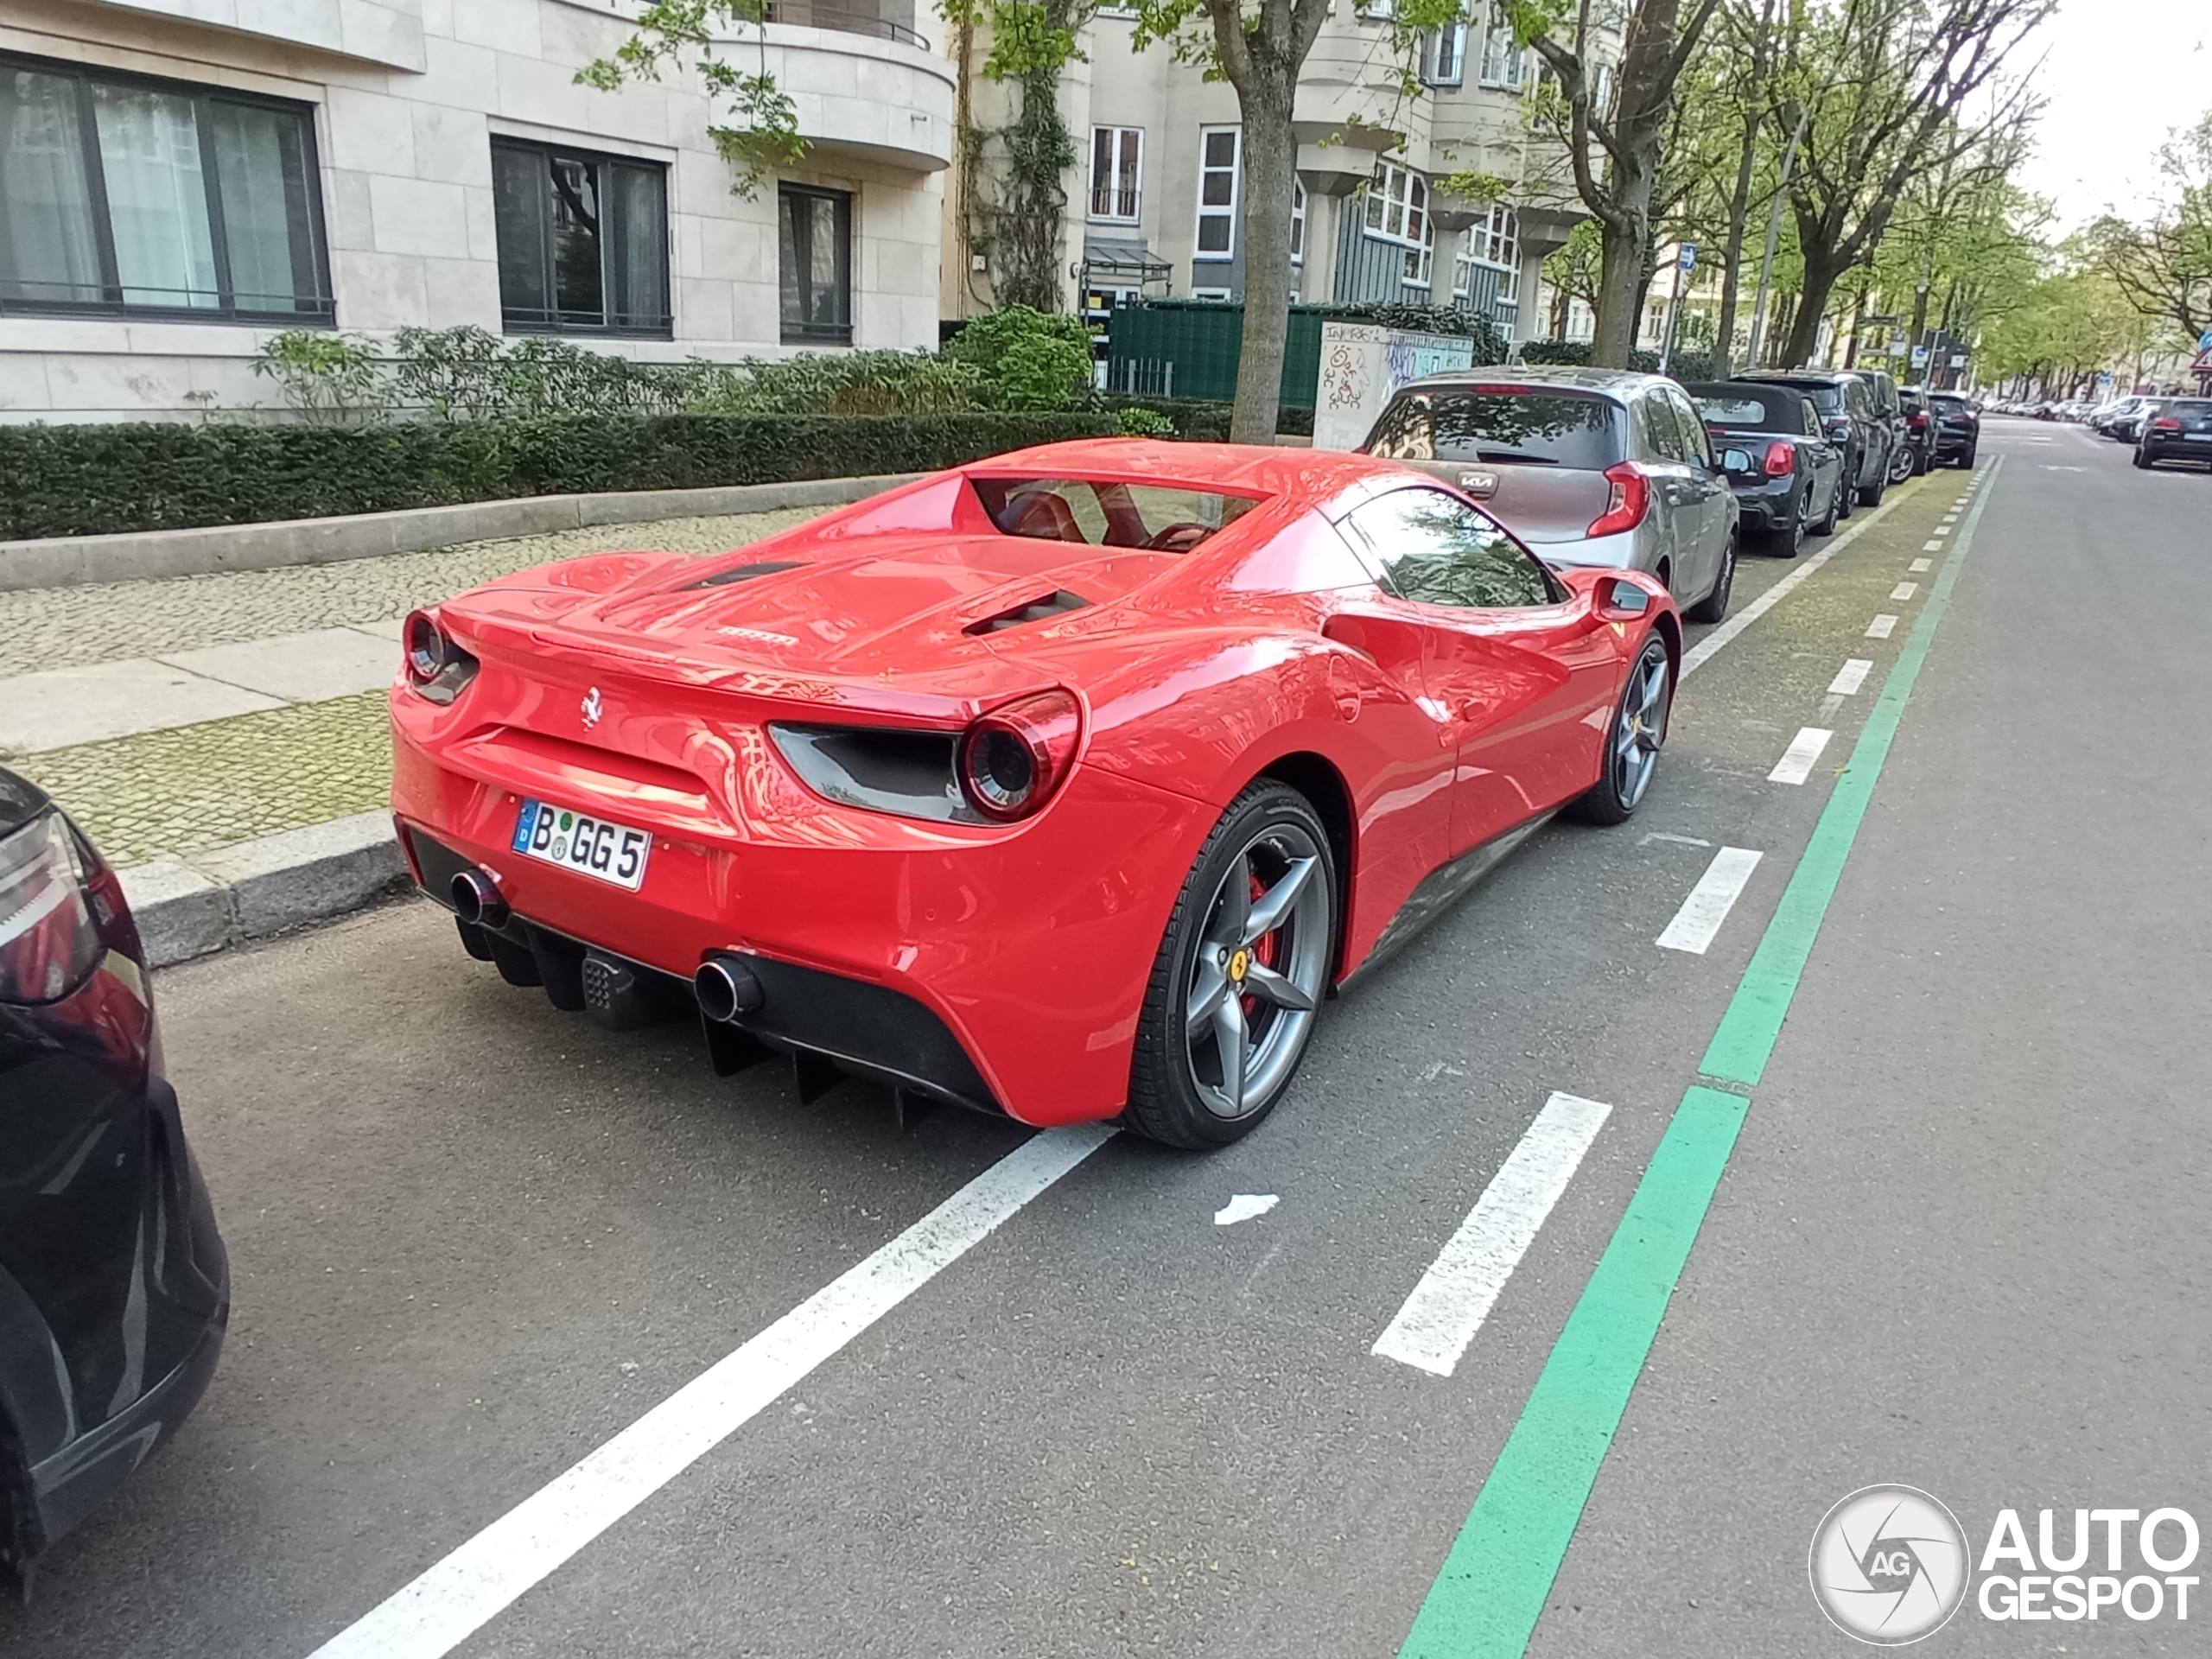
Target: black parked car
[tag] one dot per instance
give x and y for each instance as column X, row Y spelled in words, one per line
column 114, row 1287
column 1787, row 475
column 1852, row 422
column 2179, row 428
column 1889, row 410
column 1957, row 429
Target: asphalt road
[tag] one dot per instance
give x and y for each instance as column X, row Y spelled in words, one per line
column 1959, row 1242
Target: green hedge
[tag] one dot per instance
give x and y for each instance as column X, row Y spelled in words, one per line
column 1206, row 420
column 90, row 480
column 1689, row 363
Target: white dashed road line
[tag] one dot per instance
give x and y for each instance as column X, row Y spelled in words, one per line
column 1456, row 1294
column 463, row 1592
column 1880, row 627
column 1850, row 678
column 1797, row 763
column 1699, row 920
column 1921, row 567
column 1904, row 590
column 1931, row 547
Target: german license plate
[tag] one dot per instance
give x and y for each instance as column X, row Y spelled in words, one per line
column 606, row 851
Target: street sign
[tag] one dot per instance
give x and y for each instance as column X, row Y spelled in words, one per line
column 1958, row 359
column 1896, row 345
column 1919, row 357
column 2204, row 364
column 1687, row 257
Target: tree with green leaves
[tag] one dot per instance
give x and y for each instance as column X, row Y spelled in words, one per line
column 2165, row 266
column 1615, row 152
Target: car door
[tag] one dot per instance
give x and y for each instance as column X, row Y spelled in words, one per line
column 1513, row 663
column 1716, row 501
column 1826, row 482
column 1679, row 499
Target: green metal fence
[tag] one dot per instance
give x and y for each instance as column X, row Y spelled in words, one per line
column 1188, row 348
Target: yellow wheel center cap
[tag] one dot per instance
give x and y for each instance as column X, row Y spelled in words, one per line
column 1240, row 963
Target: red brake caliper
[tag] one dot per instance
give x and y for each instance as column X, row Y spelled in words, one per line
column 1264, row 950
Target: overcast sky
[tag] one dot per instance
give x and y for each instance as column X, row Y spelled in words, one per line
column 2119, row 74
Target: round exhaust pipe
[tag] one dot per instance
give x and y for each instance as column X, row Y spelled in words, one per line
column 726, row 988
column 476, row 899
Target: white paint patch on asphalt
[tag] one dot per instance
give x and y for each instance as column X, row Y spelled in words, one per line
column 1904, row 590
column 1921, row 567
column 1940, row 532
column 1880, row 627
column 1699, row 920
column 1850, row 677
column 1454, row 1298
column 1680, row 840
column 1243, row 1206
column 1931, row 547
column 465, row 1591
column 1797, row 763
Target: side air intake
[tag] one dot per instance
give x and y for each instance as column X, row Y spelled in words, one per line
column 1058, row 602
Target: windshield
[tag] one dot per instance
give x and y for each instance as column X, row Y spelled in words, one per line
column 1512, row 424
column 1164, row 517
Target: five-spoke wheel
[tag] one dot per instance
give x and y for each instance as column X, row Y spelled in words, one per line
column 1632, row 742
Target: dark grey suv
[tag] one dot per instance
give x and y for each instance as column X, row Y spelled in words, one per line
column 1855, row 419
column 1592, row 466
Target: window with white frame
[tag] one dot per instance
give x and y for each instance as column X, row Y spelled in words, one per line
column 1398, row 211
column 1377, row 11
column 1297, row 221
column 1444, row 55
column 1218, row 193
column 1494, row 241
column 1505, row 61
column 1117, row 161
column 1601, row 90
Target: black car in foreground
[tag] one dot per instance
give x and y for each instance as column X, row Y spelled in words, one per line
column 114, row 1287
column 1787, row 476
column 2179, row 429
column 1867, row 435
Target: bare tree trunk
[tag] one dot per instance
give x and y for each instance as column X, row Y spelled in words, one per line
column 1821, row 279
column 1740, row 210
column 1270, row 162
column 1620, row 292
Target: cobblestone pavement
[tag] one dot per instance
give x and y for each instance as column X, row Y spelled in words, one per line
column 53, row 627
column 193, row 787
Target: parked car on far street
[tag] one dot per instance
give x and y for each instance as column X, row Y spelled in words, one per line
column 1787, row 475
column 2121, row 420
column 2179, row 428
column 114, row 1287
column 1852, row 422
column 1954, row 435
column 1586, row 465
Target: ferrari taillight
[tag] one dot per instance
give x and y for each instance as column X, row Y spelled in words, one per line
column 1013, row 758
column 1629, row 500
column 435, row 666
column 1781, row 459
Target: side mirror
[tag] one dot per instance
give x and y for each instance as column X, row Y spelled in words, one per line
column 1616, row 601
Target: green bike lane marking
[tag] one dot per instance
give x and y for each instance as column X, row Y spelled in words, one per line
column 1491, row 1589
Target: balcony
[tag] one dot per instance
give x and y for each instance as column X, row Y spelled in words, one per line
column 386, row 32
column 866, row 85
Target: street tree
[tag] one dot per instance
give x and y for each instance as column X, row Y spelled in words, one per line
column 1887, row 90
column 1615, row 152
column 2165, row 266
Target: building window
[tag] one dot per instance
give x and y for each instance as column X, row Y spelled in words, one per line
column 1444, row 55
column 1209, row 293
column 1297, row 221
column 584, row 241
column 1495, row 241
column 1117, row 161
column 1398, row 211
column 1217, row 190
column 815, row 239
column 1505, row 61
column 123, row 194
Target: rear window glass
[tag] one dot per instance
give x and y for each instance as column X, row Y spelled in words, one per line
column 1171, row 519
column 1950, row 405
column 1752, row 411
column 2186, row 406
column 1531, row 428
column 1829, row 399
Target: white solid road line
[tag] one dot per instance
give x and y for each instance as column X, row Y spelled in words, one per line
column 1698, row 919
column 1797, row 763
column 1850, row 678
column 1921, row 567
column 1880, row 627
column 1904, row 590
column 1456, row 1294
column 462, row 1593
column 1706, row 649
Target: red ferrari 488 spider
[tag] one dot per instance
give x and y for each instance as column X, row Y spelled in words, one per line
column 1066, row 785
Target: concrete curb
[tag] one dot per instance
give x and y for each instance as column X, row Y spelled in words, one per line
column 188, row 907
column 70, row 561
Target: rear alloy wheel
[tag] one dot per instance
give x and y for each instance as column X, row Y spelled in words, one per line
column 1714, row 605
column 1632, row 741
column 1789, row 542
column 1903, row 465
column 1240, row 976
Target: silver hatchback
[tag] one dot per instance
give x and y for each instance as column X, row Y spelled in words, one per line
column 1586, row 466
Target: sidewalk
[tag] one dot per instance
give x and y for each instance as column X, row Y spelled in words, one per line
column 175, row 718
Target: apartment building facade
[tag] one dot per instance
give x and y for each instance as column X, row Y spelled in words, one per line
column 181, row 179
column 1157, row 198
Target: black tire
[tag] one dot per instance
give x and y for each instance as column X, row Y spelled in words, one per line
column 1966, row 462
column 1789, row 541
column 1922, row 463
column 1618, row 792
column 1847, row 487
column 1826, row 526
column 1714, row 605
column 1165, row 1104
column 1870, row 495
column 2143, row 459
